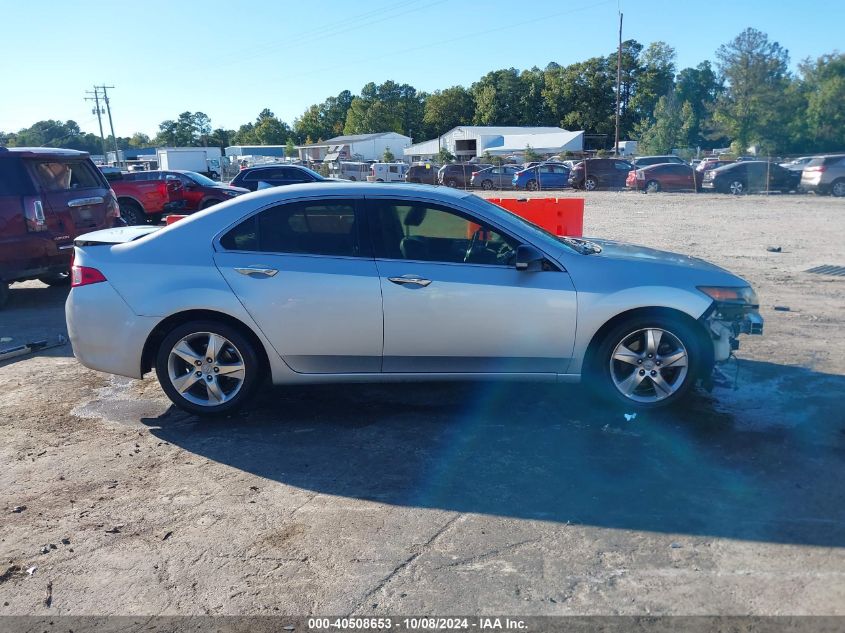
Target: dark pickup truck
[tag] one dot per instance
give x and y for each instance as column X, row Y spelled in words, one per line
column 143, row 201
column 48, row 197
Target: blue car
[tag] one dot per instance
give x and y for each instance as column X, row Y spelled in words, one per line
column 542, row 176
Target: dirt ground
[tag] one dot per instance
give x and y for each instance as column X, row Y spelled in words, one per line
column 451, row 499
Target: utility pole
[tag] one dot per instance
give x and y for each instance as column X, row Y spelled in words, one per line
column 618, row 85
column 98, row 111
column 111, row 125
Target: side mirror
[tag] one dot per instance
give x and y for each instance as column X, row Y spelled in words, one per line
column 529, row 258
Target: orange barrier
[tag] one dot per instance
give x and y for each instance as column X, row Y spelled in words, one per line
column 173, row 217
column 561, row 216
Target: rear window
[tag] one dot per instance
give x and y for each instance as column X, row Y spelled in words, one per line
column 13, row 179
column 54, row 175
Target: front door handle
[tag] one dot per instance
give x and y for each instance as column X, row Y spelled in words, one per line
column 257, row 270
column 410, row 279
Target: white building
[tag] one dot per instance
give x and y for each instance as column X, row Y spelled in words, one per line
column 356, row 147
column 469, row 141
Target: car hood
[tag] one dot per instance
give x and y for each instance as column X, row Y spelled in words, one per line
column 633, row 252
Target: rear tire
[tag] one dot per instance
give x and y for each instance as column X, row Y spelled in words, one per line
column 736, row 187
column 652, row 186
column 59, row 279
column 214, row 387
column 837, row 189
column 132, row 213
column 531, row 185
column 487, row 185
column 638, row 380
column 590, row 184
column 452, row 183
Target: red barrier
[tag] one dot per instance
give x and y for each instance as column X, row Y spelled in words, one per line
column 173, row 217
column 561, row 216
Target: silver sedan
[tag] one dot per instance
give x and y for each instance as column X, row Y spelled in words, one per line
column 367, row 282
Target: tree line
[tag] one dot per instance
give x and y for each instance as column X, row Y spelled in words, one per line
column 747, row 97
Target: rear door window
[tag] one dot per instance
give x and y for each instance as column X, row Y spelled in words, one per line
column 14, row 180
column 54, row 175
column 304, row 228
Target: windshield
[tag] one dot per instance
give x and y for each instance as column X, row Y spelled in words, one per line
column 582, row 247
column 201, row 180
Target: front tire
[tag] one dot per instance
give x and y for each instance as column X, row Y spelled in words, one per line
column 652, row 186
column 837, row 189
column 487, row 185
column 736, row 187
column 648, row 362
column 452, row 183
column 207, row 367
column 531, row 185
column 590, row 184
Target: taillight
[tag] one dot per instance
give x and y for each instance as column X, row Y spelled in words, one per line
column 85, row 276
column 112, row 208
column 33, row 209
column 474, row 174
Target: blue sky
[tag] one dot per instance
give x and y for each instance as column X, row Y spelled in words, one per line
column 231, row 59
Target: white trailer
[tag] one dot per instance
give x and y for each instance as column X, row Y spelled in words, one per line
column 205, row 160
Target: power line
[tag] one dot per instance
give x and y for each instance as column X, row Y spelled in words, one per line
column 99, row 111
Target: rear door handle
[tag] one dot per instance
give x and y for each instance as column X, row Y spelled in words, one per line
column 409, row 279
column 249, row 271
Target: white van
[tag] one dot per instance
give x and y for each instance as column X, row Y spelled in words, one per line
column 387, row 172
column 349, row 170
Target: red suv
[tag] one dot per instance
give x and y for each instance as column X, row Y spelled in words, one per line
column 48, row 196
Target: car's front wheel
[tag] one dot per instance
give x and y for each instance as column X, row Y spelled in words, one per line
column 648, row 362
column 736, row 187
column 590, row 183
column 207, row 367
column 132, row 213
column 838, row 188
column 487, row 185
column 652, row 186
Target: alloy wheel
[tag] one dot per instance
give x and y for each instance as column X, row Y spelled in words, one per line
column 649, row 365
column 590, row 184
column 838, row 189
column 206, row 369
column 737, row 188
column 653, row 186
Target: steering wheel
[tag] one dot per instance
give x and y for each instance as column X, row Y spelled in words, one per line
column 473, row 243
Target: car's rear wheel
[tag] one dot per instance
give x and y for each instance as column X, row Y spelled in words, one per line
column 838, row 188
column 451, row 182
column 57, row 279
column 590, row 183
column 652, row 186
column 736, row 187
column 207, row 367
column 132, row 213
column 648, row 361
column 487, row 184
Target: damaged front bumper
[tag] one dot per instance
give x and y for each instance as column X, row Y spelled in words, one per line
column 726, row 323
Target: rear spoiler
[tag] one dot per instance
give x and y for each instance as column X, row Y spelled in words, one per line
column 118, row 235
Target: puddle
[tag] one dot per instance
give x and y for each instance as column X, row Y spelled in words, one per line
column 118, row 403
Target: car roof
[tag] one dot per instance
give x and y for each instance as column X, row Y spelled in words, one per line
column 36, row 152
column 337, row 188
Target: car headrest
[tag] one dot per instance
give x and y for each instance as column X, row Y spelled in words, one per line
column 415, row 216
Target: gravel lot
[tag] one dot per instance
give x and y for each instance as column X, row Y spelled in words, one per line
column 451, row 499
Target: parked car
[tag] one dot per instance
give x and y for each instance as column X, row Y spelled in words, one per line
column 48, row 197
column 274, row 176
column 750, row 176
column 825, row 174
column 422, row 173
column 143, row 201
column 645, row 161
column 197, row 191
column 458, row 175
column 599, row 173
column 387, row 172
column 797, row 164
column 542, row 176
column 662, row 177
column 500, row 177
column 284, row 285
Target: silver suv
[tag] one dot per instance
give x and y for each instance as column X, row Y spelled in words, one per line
column 825, row 174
